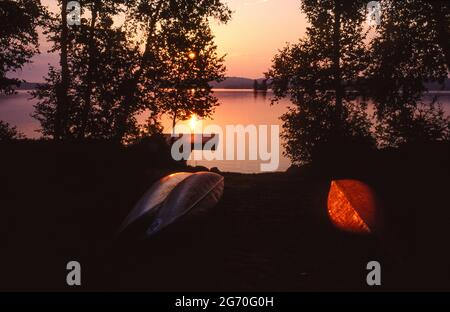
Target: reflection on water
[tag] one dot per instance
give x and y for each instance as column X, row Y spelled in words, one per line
column 242, row 107
column 238, row 107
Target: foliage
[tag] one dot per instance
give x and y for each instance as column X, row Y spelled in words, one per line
column 320, row 74
column 7, row 132
column 19, row 21
column 341, row 66
column 111, row 73
column 180, row 57
column 189, row 65
column 406, row 54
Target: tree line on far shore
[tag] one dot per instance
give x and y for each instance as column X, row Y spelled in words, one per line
column 260, row 86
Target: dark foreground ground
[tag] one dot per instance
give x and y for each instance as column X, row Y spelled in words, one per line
column 270, row 232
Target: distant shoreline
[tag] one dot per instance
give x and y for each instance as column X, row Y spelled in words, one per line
column 443, row 92
column 247, row 84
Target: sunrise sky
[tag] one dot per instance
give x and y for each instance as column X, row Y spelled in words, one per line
column 250, row 40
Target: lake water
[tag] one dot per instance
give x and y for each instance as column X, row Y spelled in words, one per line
column 237, row 107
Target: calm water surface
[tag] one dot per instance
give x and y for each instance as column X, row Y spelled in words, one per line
column 238, row 107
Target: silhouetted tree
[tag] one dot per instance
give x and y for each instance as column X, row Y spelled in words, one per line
column 260, row 86
column 56, row 96
column 190, row 62
column 19, row 20
column 160, row 20
column 99, row 58
column 319, row 74
column 117, row 60
column 93, row 57
column 440, row 14
column 263, row 86
column 8, row 132
column 63, row 99
column 105, row 56
column 255, row 85
column 409, row 51
column 105, row 79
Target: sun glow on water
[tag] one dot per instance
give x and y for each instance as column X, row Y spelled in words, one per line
column 193, row 122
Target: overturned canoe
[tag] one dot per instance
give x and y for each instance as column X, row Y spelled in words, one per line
column 154, row 197
column 352, row 206
column 195, row 195
column 171, row 199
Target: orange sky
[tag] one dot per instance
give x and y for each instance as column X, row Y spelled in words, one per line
column 250, row 40
column 257, row 30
